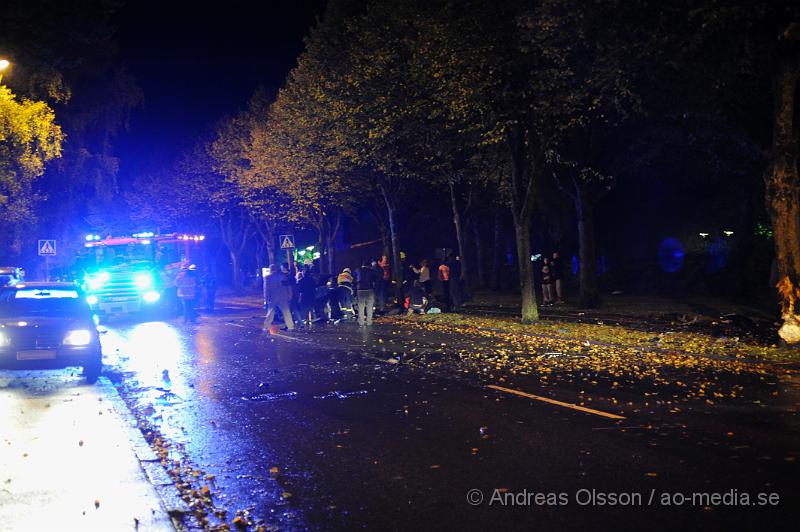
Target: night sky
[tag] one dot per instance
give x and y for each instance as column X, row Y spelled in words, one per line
column 197, row 63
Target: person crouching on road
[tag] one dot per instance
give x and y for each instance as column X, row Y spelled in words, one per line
column 417, row 301
column 188, row 287
column 277, row 294
column 365, row 295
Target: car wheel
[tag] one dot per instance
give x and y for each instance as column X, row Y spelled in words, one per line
column 92, row 371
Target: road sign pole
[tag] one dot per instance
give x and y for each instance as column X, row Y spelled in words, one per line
column 47, row 268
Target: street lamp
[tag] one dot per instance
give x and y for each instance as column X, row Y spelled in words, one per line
column 3, row 65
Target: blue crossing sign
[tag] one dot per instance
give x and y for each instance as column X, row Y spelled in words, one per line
column 47, row 248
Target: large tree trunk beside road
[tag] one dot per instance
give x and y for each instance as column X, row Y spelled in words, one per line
column 783, row 188
column 235, row 232
column 521, row 202
column 397, row 273
column 459, row 231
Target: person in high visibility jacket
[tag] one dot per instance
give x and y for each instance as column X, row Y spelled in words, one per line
column 344, row 290
column 188, row 288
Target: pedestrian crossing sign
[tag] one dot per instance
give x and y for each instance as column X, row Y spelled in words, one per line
column 287, row 241
column 47, row 248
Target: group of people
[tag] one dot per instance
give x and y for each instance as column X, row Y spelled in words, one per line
column 309, row 297
column 552, row 275
column 420, row 294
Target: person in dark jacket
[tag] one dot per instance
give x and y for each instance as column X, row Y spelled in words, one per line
column 455, row 284
column 557, row 273
column 210, row 286
column 366, row 283
column 188, row 288
column 306, row 295
column 380, row 288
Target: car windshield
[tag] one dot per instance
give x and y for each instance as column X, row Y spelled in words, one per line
column 51, row 302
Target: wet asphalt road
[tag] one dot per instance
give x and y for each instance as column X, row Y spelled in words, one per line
column 361, row 442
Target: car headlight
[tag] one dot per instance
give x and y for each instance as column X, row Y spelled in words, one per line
column 144, row 281
column 78, row 337
column 4, row 339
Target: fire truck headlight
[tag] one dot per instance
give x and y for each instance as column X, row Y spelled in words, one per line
column 144, row 281
column 151, row 297
column 97, row 281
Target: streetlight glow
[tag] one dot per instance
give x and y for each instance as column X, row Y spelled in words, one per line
column 3, row 64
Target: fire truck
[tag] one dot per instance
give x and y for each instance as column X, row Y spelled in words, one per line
column 133, row 274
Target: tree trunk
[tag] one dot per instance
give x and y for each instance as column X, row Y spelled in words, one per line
column 459, row 232
column 397, row 272
column 589, row 292
column 783, row 195
column 330, row 244
column 494, row 282
column 530, row 311
column 267, row 233
column 270, row 245
column 480, row 255
column 521, row 201
column 236, row 275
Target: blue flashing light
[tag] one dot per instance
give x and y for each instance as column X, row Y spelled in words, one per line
column 671, row 255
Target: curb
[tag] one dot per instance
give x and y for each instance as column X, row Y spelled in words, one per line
column 171, row 501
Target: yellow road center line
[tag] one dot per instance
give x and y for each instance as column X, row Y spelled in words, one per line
column 554, row 402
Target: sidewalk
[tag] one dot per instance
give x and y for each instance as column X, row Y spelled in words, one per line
column 705, row 315
column 66, row 459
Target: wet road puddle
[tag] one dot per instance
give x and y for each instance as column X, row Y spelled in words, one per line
column 270, row 396
column 336, row 394
column 283, row 396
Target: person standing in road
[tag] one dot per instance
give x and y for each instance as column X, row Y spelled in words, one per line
column 277, row 294
column 306, row 289
column 344, row 290
column 210, row 286
column 387, row 276
column 380, row 288
column 188, row 287
column 444, row 279
column 365, row 294
column 547, row 283
column 557, row 272
column 455, row 284
column 424, row 274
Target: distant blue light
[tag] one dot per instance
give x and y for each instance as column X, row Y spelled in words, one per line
column 576, row 265
column 671, row 255
column 717, row 257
